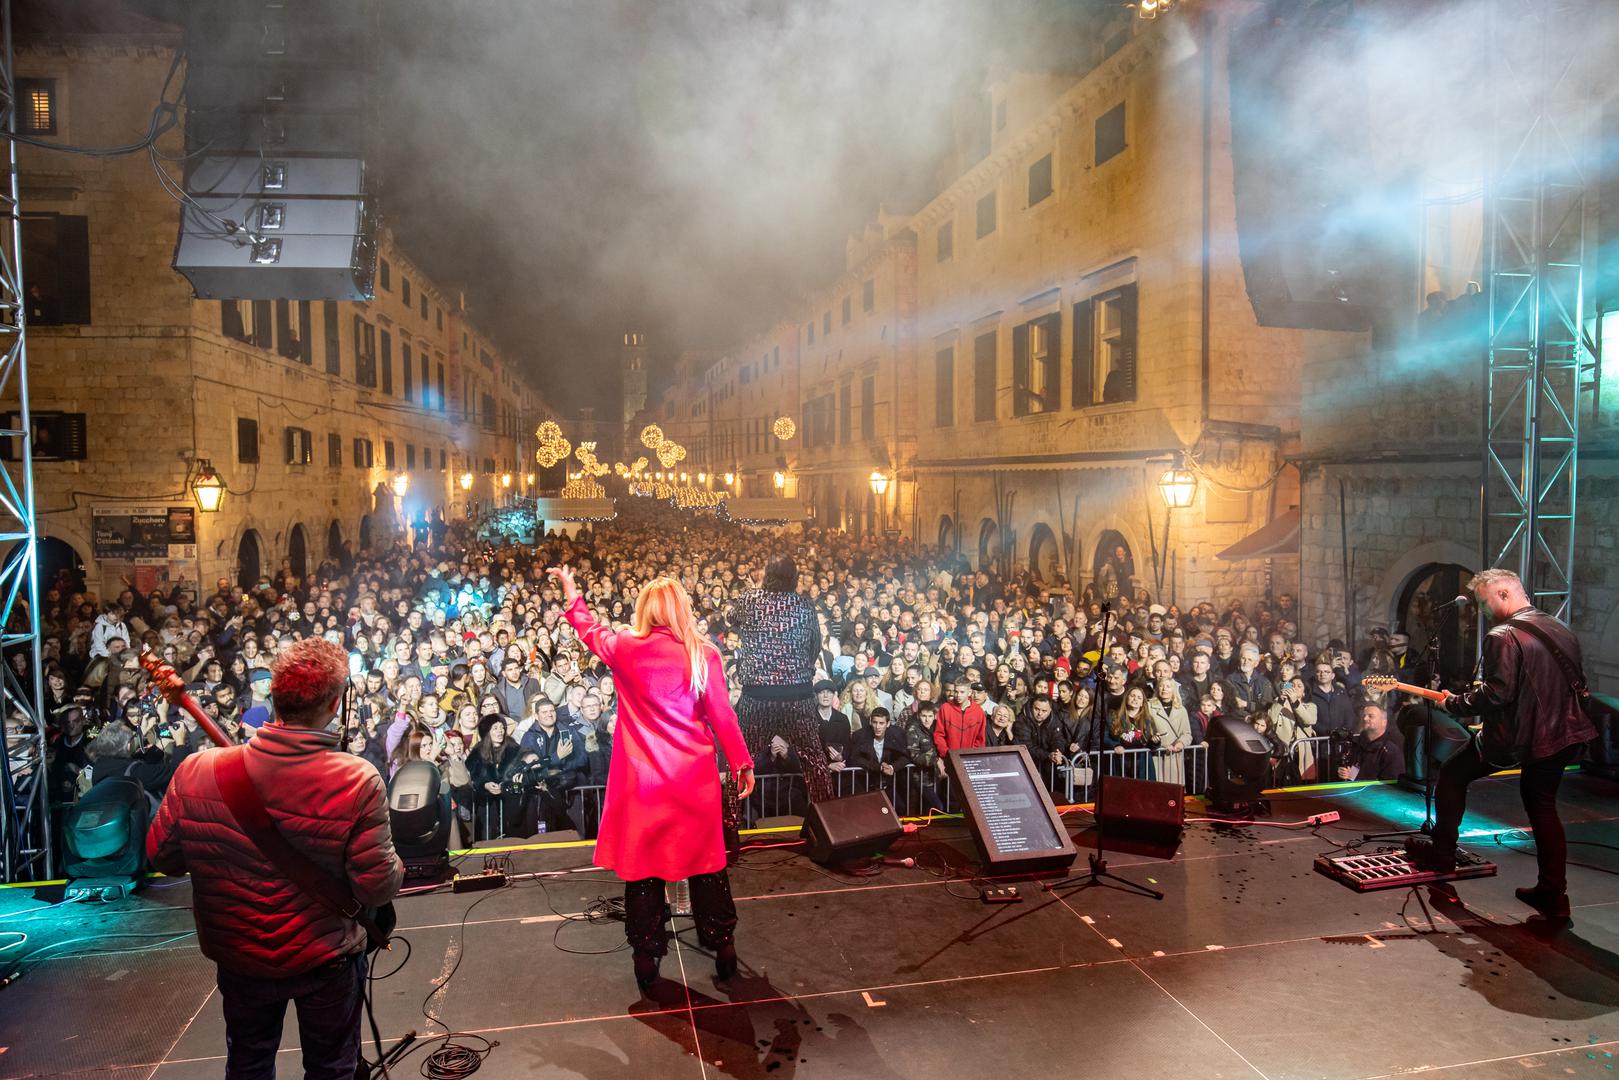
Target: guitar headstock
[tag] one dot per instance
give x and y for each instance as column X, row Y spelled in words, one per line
column 165, row 680
column 1379, row 682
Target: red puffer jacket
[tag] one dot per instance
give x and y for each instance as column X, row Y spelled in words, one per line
column 329, row 805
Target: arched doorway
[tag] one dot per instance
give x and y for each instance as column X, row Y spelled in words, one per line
column 947, row 533
column 298, row 551
column 1424, row 612
column 365, row 532
column 1113, row 567
column 1044, row 555
column 248, row 556
column 989, row 544
column 58, row 561
column 334, row 541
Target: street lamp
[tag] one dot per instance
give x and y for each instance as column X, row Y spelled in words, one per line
column 401, row 484
column 505, row 480
column 529, row 479
column 702, row 478
column 730, row 479
column 1178, row 487
column 779, row 479
column 207, row 487
column 879, row 483
column 466, row 481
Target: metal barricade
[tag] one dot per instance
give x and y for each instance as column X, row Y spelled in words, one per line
column 1197, row 768
column 1311, row 760
column 1137, row 764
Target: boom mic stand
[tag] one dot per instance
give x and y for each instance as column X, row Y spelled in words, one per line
column 1100, row 875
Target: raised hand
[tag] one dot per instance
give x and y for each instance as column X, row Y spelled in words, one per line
column 564, row 575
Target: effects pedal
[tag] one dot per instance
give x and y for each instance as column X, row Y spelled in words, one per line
column 1000, row 894
column 489, row 879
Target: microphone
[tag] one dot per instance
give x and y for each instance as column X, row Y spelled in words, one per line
column 906, row 862
column 1460, row 600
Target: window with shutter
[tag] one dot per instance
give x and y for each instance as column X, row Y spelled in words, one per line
column 984, row 364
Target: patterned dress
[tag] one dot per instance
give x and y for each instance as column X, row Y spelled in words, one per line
column 776, row 666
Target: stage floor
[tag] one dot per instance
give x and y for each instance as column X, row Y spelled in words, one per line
column 1253, row 966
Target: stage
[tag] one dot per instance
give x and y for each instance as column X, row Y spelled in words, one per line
column 1253, row 966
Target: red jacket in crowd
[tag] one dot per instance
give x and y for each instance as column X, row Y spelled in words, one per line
column 958, row 728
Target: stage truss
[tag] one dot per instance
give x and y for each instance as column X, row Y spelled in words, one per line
column 1538, row 359
column 25, row 834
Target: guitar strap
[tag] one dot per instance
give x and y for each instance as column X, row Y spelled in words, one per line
column 1576, row 678
column 246, row 805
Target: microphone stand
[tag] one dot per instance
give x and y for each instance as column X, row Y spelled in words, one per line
column 1429, row 765
column 1100, row 875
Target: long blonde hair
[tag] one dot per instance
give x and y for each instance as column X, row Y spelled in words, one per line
column 664, row 603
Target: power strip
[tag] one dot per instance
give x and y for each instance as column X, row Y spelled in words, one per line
column 1323, row 819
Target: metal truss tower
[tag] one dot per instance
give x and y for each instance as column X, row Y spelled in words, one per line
column 25, row 833
column 1535, row 214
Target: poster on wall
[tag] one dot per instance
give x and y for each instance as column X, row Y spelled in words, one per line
column 145, row 532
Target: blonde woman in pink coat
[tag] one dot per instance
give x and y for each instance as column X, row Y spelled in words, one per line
column 662, row 818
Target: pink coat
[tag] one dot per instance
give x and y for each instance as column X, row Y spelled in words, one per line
column 662, row 816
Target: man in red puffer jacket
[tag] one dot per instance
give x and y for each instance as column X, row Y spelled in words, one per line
column 271, row 940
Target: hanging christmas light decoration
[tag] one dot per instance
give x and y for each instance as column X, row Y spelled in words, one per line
column 652, row 436
column 585, row 485
column 553, row 448
column 784, row 428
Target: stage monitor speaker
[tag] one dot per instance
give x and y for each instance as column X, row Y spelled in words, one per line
column 853, row 827
column 1324, row 242
column 1141, row 817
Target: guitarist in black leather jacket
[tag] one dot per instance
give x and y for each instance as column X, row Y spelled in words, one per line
column 1532, row 708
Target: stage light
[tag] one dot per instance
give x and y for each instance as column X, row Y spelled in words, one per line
column 104, row 834
column 419, row 815
column 207, row 488
column 466, row 481
column 1239, row 761
column 401, row 484
column 1178, row 487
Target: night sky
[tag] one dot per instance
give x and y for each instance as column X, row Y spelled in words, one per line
column 685, row 168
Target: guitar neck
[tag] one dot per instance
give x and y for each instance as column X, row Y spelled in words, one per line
column 1436, row 696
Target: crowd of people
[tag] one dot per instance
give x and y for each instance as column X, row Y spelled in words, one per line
column 459, row 655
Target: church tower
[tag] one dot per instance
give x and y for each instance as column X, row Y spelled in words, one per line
column 632, row 371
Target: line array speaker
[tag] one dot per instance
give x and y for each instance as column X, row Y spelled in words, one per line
column 280, row 106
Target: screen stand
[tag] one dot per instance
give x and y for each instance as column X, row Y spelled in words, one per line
column 1100, row 875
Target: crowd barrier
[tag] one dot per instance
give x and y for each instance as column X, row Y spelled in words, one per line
column 915, row 791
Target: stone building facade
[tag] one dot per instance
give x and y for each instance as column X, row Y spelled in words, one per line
column 315, row 415
column 1035, row 348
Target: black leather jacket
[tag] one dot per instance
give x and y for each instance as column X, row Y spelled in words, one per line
column 1528, row 707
